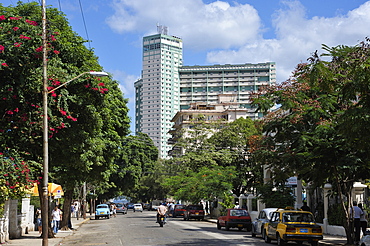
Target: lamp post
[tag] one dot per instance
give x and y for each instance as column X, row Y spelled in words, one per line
column 45, row 212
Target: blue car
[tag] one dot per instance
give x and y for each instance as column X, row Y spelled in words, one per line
column 102, row 210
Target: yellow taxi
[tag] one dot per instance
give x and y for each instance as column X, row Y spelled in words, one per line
column 292, row 225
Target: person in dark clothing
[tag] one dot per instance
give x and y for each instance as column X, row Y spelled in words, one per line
column 305, row 207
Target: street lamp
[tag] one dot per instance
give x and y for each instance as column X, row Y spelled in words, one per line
column 44, row 211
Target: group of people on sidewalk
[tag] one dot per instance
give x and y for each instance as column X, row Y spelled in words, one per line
column 359, row 216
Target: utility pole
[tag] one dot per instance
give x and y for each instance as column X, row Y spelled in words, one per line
column 45, row 178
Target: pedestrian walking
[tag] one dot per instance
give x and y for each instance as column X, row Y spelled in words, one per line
column 356, row 213
column 38, row 220
column 56, row 218
column 363, row 220
column 305, row 207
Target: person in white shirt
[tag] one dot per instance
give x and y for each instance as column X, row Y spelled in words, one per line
column 56, row 217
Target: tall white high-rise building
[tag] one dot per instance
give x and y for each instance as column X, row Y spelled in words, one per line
column 158, row 90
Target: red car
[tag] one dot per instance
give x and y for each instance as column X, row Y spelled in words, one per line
column 179, row 210
column 235, row 218
column 194, row 212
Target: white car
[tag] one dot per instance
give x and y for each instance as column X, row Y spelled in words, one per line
column 263, row 217
column 138, row 207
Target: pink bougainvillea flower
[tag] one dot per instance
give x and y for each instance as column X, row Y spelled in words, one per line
column 95, row 89
column 2, row 49
column 63, row 112
column 101, row 84
column 33, row 23
column 87, row 86
column 17, row 44
column 2, row 17
column 39, row 49
column 15, row 28
column 74, row 119
column 52, row 37
column 9, row 112
column 24, row 37
column 4, row 64
column 16, row 110
column 53, row 94
column 56, row 82
column 15, row 18
column 56, row 52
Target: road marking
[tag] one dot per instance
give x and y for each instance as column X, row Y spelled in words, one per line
column 212, row 234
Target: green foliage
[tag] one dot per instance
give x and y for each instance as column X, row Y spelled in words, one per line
column 228, row 202
column 276, row 196
column 16, row 175
column 207, row 183
column 336, row 216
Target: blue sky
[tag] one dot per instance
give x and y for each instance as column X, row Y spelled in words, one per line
column 214, row 32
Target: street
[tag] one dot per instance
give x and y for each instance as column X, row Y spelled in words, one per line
column 138, row 228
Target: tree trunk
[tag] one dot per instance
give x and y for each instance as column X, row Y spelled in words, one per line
column 66, row 217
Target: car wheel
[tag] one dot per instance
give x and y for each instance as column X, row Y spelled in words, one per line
column 227, row 227
column 299, row 242
column 280, row 241
column 240, row 228
column 218, row 226
column 96, row 217
column 108, row 217
column 314, row 243
column 266, row 237
column 184, row 217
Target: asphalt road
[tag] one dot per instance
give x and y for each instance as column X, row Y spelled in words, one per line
column 136, row 228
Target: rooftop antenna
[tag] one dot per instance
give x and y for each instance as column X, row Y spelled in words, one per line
column 162, row 29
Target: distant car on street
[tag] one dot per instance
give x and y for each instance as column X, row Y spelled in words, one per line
column 179, row 210
column 121, row 208
column 102, row 210
column 194, row 212
column 130, row 206
column 263, row 217
column 235, row 218
column 138, row 207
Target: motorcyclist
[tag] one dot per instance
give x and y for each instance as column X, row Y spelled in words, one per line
column 162, row 210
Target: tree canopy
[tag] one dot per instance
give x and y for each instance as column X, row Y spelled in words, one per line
column 319, row 131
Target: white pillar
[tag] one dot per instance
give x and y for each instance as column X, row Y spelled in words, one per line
column 327, row 187
column 298, row 190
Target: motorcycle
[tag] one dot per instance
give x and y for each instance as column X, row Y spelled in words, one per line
column 162, row 220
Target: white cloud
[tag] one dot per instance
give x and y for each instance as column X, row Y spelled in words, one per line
column 298, row 37
column 201, row 26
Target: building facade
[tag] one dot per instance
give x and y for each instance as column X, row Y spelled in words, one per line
column 206, row 83
column 166, row 87
column 158, row 90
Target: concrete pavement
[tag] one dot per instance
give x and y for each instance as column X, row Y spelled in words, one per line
column 33, row 238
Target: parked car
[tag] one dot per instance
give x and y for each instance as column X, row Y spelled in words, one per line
column 235, row 218
column 365, row 240
column 138, row 207
column 263, row 217
column 121, row 208
column 194, row 212
column 146, row 206
column 179, row 210
column 292, row 225
column 102, row 210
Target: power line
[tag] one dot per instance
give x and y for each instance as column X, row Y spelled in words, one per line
column 83, row 18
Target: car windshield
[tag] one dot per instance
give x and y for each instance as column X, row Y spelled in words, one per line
column 238, row 212
column 298, row 217
column 102, row 206
column 119, row 205
column 179, row 206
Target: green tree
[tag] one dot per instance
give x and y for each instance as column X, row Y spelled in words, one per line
column 87, row 120
column 308, row 136
column 205, row 184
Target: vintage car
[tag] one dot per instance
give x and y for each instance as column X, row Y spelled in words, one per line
column 259, row 223
column 235, row 218
column 194, row 212
column 292, row 225
column 102, row 210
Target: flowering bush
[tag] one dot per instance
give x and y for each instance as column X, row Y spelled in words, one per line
column 15, row 178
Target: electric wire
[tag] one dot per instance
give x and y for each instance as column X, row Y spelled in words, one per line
column 83, row 18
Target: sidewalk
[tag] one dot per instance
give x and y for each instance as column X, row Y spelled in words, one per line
column 328, row 239
column 33, row 238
